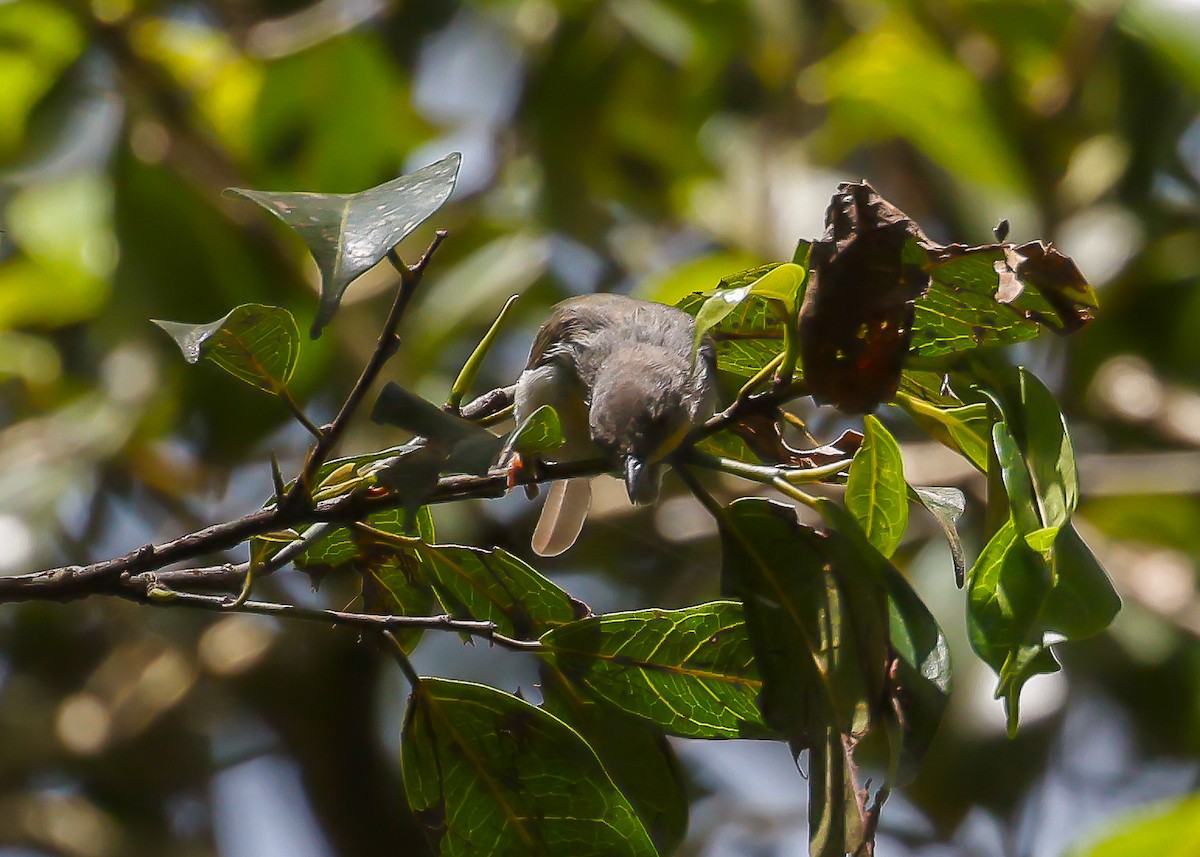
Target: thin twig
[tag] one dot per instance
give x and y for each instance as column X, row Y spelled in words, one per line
column 161, row 596
column 401, row 656
column 385, row 347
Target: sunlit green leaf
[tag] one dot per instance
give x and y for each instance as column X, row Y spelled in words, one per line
column 488, row 773
column 1005, row 592
column 690, row 671
column 876, row 493
column 965, row 428
column 255, row 343
column 1082, row 602
column 748, row 333
column 998, row 295
column 348, row 234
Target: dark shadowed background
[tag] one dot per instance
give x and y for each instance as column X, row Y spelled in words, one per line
column 640, row 146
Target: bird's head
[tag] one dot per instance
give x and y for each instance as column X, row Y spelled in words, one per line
column 645, row 401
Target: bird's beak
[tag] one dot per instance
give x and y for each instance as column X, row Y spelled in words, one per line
column 641, row 480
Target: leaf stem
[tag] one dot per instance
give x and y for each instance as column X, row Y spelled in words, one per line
column 759, row 377
column 707, row 500
column 791, row 352
column 766, row 473
column 286, row 396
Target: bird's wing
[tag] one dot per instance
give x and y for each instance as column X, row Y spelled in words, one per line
column 566, row 508
column 574, row 318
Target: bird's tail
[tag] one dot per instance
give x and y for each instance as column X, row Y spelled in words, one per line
column 566, row 508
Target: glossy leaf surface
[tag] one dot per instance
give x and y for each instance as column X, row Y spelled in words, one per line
column 347, row 234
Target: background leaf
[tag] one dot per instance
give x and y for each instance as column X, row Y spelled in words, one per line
column 488, row 773
column 255, row 343
column 1167, row 829
column 349, row 233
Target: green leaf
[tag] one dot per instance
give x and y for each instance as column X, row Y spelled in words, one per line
column 690, row 671
column 1082, row 602
column 348, row 234
column 783, row 283
column 1017, row 483
column 1036, row 577
column 820, row 649
column 495, row 586
column 748, row 333
column 540, row 432
column 726, row 444
column 255, row 343
column 393, row 583
column 998, row 295
column 964, row 428
column 947, row 506
column 1048, row 448
column 1006, row 589
column 876, row 493
column 488, row 773
column 634, row 753
column 719, row 305
column 921, row 689
column 342, row 545
column 960, row 312
column 1166, row 829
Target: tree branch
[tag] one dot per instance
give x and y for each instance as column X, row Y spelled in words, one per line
column 385, row 347
column 99, row 578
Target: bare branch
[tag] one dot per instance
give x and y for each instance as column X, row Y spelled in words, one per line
column 385, row 347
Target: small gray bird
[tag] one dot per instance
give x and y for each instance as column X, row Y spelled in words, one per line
column 621, row 374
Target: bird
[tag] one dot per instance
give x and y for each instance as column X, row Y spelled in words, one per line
column 628, row 384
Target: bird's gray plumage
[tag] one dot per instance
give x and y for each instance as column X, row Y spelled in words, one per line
column 621, row 374
column 631, row 361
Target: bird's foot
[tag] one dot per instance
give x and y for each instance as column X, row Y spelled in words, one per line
column 517, row 466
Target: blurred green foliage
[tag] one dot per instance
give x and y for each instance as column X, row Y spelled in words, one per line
column 642, row 145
